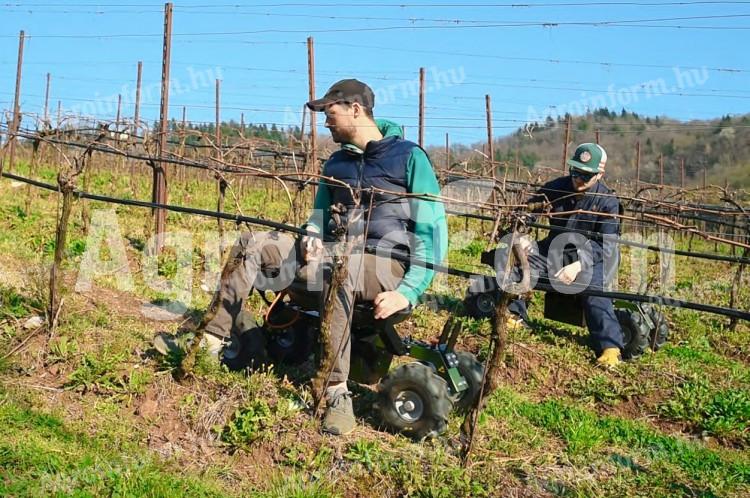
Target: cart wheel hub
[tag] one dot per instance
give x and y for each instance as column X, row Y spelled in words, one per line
column 409, row 406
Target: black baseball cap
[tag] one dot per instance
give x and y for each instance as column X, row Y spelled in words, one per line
column 345, row 91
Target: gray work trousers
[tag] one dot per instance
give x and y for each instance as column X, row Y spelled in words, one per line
column 273, row 260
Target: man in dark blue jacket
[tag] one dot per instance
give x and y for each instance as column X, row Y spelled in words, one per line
column 572, row 262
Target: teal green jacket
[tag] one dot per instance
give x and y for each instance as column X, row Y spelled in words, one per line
column 429, row 222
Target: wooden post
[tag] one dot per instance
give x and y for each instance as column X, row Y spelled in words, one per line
column 217, row 137
column 16, row 106
column 447, row 153
column 117, row 117
column 421, row 107
column 565, row 142
column 682, row 172
column 313, row 166
column 59, row 123
column 137, row 115
column 490, row 145
column 183, row 139
column 46, row 103
column 661, row 171
column 160, row 179
column 219, row 167
column 637, row 165
column 46, row 124
column 136, row 122
column 597, row 136
column 491, row 156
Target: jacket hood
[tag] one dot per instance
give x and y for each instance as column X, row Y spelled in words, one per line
column 389, row 129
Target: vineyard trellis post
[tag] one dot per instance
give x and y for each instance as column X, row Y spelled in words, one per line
column 16, row 105
column 491, row 155
column 490, row 145
column 137, row 114
column 46, row 102
column 447, row 153
column 136, row 121
column 159, row 191
column 637, row 165
column 566, row 139
column 421, row 107
column 682, row 172
column 312, row 166
column 46, row 124
column 183, row 139
column 661, row 171
column 219, row 172
column 59, row 124
column 118, row 119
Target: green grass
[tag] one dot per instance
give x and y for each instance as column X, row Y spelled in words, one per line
column 587, row 435
column 16, row 305
column 723, row 413
column 673, row 423
column 39, row 456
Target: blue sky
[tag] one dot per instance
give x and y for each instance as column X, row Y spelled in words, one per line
column 644, row 63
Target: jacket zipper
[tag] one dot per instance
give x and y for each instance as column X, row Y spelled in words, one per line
column 361, row 174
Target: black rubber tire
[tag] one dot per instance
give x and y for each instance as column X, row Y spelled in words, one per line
column 418, row 383
column 481, row 305
column 252, row 351
column 660, row 333
column 473, row 372
column 636, row 333
column 292, row 346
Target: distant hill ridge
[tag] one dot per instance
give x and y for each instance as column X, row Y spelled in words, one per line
column 720, row 145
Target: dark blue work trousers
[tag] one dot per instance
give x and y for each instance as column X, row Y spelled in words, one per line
column 604, row 329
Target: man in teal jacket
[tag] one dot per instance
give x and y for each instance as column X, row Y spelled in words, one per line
column 385, row 183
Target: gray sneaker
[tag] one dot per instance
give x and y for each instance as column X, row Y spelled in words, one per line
column 165, row 344
column 339, row 417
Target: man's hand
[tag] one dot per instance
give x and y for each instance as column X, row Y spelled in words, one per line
column 388, row 303
column 312, row 248
column 568, row 274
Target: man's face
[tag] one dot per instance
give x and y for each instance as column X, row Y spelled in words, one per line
column 341, row 123
column 583, row 180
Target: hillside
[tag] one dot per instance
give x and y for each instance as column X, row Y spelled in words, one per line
column 721, row 146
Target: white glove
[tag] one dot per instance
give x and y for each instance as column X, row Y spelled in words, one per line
column 312, row 247
column 567, row 274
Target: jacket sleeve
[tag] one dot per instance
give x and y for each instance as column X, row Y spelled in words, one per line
column 608, row 227
column 318, row 221
column 429, row 222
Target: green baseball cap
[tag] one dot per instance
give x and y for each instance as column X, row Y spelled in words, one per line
column 589, row 157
